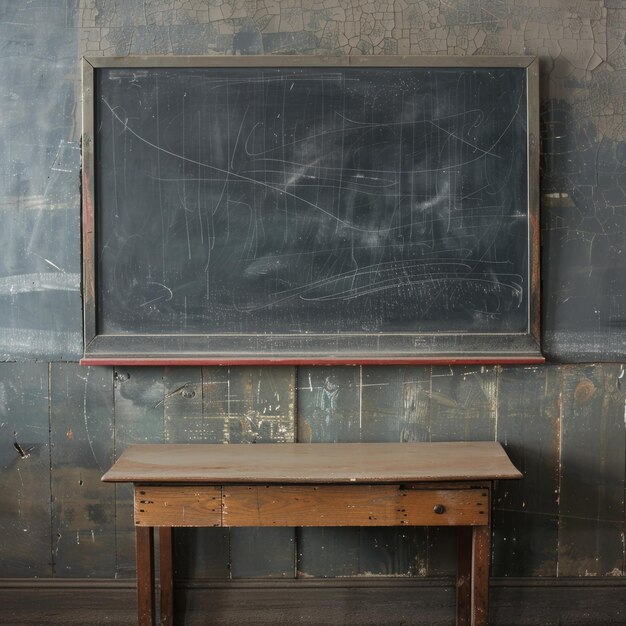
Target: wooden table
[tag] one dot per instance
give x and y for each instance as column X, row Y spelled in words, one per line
column 354, row 484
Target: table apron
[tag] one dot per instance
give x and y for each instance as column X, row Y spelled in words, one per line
column 310, row 505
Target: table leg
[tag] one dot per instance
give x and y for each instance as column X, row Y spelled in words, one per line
column 464, row 576
column 481, row 557
column 144, row 552
column 166, row 575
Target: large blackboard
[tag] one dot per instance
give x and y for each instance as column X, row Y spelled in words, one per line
column 311, row 212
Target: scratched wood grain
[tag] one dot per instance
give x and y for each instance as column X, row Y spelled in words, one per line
column 253, row 405
column 381, row 403
column 591, row 513
column 329, row 404
column 182, row 405
column 416, row 404
column 262, row 409
column 261, row 404
column 463, row 403
column 215, row 404
column 189, row 418
column 248, row 404
column 81, row 434
column 25, row 542
column 178, row 505
column 525, row 512
column 415, row 426
column 391, row 551
column 328, row 411
column 139, row 394
column 341, row 505
column 463, row 407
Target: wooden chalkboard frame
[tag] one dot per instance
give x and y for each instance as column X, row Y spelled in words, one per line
column 289, row 349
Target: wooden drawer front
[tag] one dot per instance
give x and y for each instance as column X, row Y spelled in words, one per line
column 182, row 505
column 359, row 505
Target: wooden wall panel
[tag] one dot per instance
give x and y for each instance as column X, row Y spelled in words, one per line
column 329, row 410
column 415, row 426
column 198, row 552
column 416, row 404
column 81, row 434
column 563, row 426
column 261, row 409
column 262, row 404
column 381, row 403
column 231, row 414
column 463, row 407
column 25, row 535
column 182, row 405
column 248, row 404
column 591, row 513
column 139, row 415
column 389, row 551
column 216, row 404
column 329, row 404
column 525, row 519
column 463, row 403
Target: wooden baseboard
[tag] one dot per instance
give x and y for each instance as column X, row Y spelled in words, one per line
column 331, row 602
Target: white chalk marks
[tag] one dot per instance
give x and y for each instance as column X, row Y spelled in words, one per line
column 264, row 200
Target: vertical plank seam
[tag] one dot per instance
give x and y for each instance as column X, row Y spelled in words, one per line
column 360, row 402
column 427, row 530
column 359, row 564
column 429, row 412
column 112, row 391
column 620, row 377
column 496, row 435
column 496, row 400
column 227, row 432
column 228, row 413
column 164, row 378
column 561, row 374
column 202, row 414
column 296, row 407
column 602, row 467
column 114, row 417
column 52, row 559
column 296, row 427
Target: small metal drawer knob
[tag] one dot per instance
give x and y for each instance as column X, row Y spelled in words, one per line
column 439, row 509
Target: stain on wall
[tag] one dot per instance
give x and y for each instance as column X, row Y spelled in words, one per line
column 563, row 424
column 40, row 306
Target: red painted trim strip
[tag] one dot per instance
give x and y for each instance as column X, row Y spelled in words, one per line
column 487, row 360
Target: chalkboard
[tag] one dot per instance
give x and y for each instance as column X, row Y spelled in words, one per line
column 331, row 211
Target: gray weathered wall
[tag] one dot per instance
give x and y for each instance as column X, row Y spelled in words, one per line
column 61, row 424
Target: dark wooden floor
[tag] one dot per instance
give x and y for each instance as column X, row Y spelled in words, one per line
column 362, row 602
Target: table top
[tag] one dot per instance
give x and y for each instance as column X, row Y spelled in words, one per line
column 297, row 463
